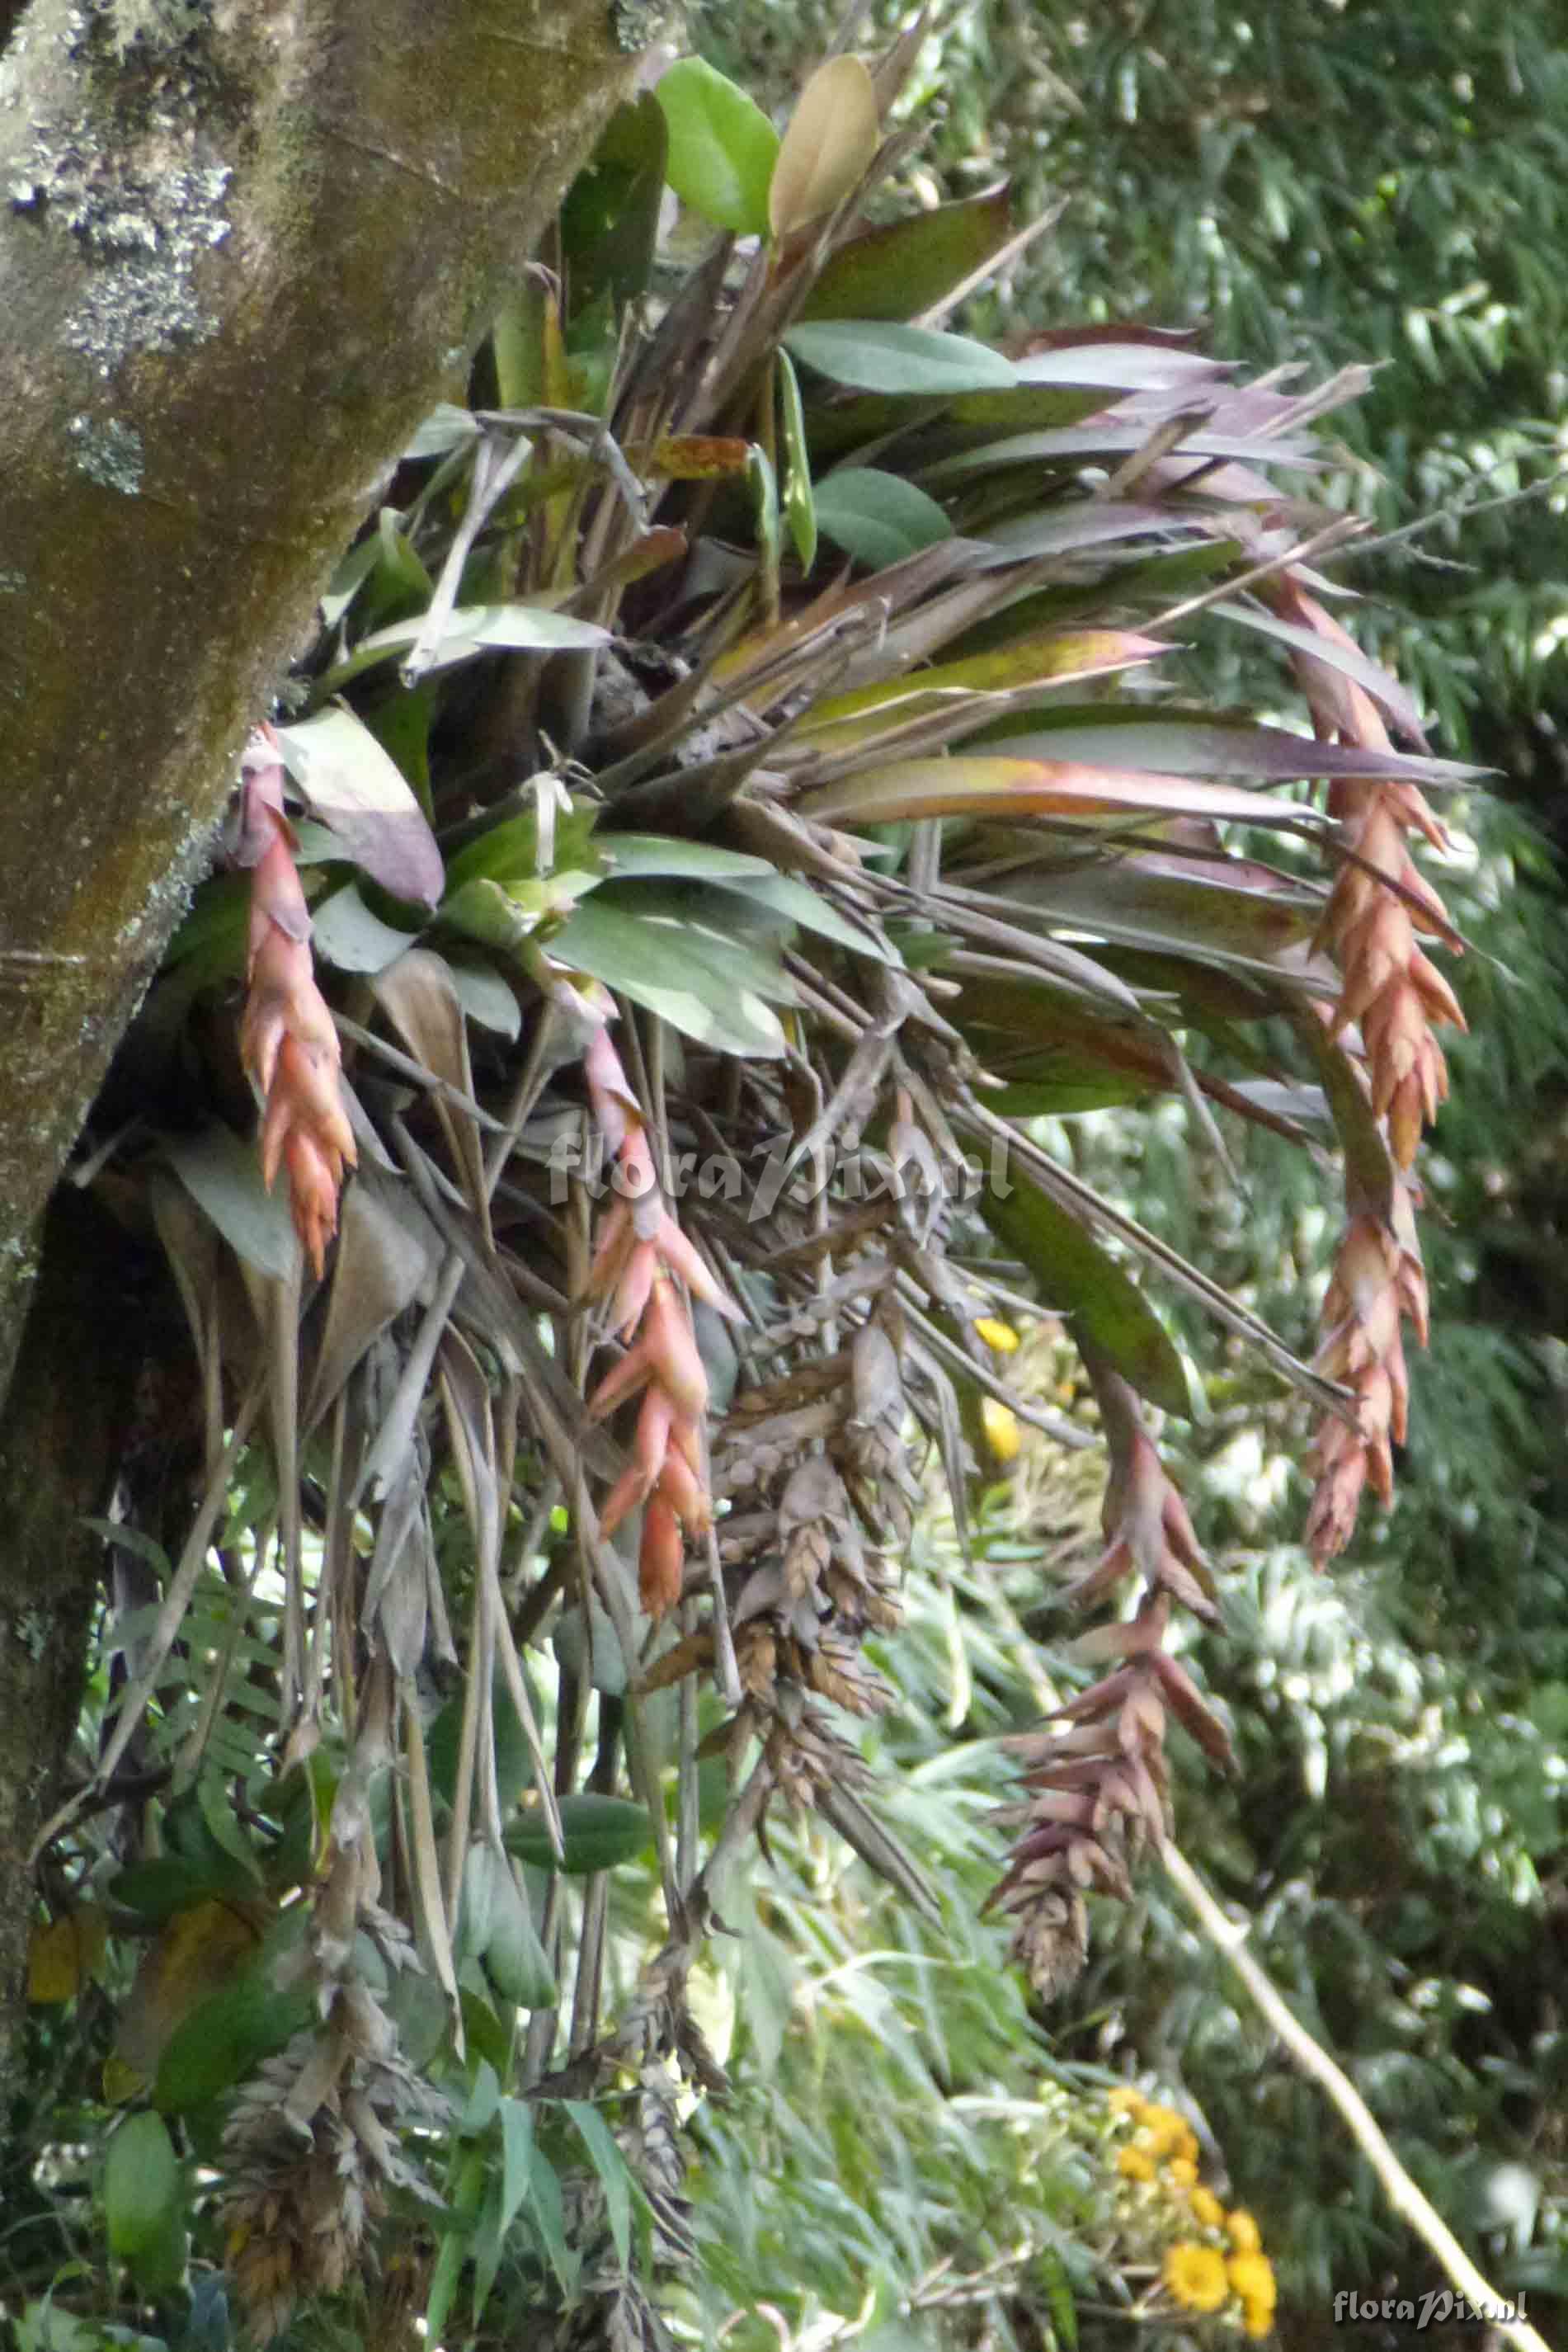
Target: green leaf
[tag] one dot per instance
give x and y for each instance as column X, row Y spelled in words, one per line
column 467, row 2194
column 143, row 2186
column 504, row 914
column 609, row 220
column 513, row 1761
column 222, row 1176
column 212, row 937
column 799, row 505
column 722, row 147
column 1079, row 1282
column 707, row 988
column 765, row 503
column 517, row 2152
column 448, row 426
column 667, row 854
column 472, row 629
column 1045, row 657
column 879, row 518
column 484, row 2102
column 486, row 998
column 514, row 1959
column 597, row 1833
column 155, row 1890
column 225, row 1832
column 344, row 931
column 225, row 2038
column 796, row 902
column 511, row 847
column 904, row 267
column 549, row 2212
column 1220, row 909
column 1057, row 2287
column 610, row 2166
column 875, row 356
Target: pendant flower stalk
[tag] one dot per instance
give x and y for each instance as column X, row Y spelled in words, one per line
column 640, row 1258
column 1395, row 994
column 288, row 1042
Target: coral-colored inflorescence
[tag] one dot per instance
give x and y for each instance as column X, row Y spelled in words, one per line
column 1394, row 994
column 287, row 1040
column 641, row 1257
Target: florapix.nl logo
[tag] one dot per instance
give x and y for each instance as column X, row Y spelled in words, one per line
column 910, row 1173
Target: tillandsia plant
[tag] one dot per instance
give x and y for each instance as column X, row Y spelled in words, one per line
column 746, row 777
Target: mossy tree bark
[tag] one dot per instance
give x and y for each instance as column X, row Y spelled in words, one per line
column 244, row 246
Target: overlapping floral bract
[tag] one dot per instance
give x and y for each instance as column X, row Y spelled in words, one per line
column 287, row 1038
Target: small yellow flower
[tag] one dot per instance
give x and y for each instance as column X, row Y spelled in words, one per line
column 1165, row 2132
column 1001, row 1429
column 1181, row 2172
column 995, row 1334
column 1124, row 2100
column 1252, row 2278
column 1134, row 2164
column 1206, row 2208
column 1243, row 2231
column 1259, row 2318
column 1196, row 2276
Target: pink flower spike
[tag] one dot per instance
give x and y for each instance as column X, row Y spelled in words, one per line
column 610, row 1257
column 629, row 1490
column 662, row 1561
column 682, row 1258
column 622, row 1380
column 679, row 1366
column 634, row 1287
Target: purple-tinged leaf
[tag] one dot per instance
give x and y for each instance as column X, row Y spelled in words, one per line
column 356, row 789
column 1123, row 367
column 1091, row 440
column 1087, row 522
column 1189, row 743
column 1371, row 677
column 968, row 786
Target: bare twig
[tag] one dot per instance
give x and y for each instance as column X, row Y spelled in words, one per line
column 1229, row 1936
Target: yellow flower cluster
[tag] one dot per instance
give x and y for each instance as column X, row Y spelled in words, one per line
column 1225, row 2271
column 1159, row 2134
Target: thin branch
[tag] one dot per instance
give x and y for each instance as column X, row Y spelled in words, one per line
column 1403, row 2195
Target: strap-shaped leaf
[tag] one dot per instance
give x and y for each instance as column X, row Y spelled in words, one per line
column 1079, row 1281
column 873, row 355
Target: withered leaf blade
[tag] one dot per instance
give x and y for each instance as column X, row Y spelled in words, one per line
column 387, row 1250
column 828, row 147
column 419, row 997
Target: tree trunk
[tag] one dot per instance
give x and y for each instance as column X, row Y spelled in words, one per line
column 74, row 1406
column 244, row 244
